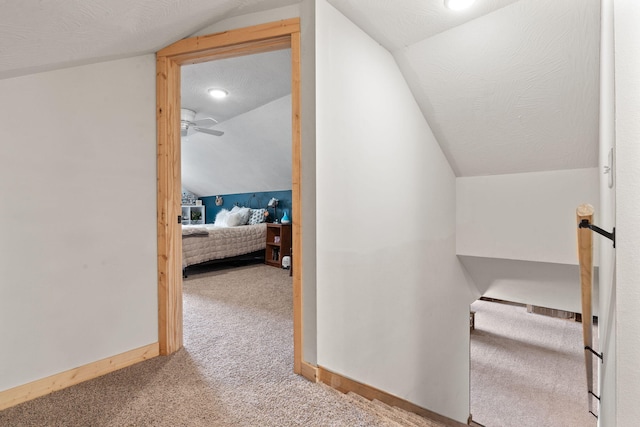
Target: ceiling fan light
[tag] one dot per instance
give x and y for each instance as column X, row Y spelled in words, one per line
column 187, row 115
column 218, row 93
column 458, row 4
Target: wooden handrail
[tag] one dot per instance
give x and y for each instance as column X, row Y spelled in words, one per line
column 585, row 258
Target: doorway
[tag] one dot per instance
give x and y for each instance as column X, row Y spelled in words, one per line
column 257, row 39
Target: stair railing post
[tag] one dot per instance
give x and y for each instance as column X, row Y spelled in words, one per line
column 585, row 258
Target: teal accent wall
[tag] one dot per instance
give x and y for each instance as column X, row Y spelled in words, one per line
column 251, row 200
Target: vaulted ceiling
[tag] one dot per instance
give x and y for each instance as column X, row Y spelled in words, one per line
column 507, row 86
column 37, row 35
column 254, row 154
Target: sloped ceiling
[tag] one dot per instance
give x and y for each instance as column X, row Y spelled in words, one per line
column 38, row 35
column 252, row 81
column 507, row 86
column 397, row 24
column 254, row 154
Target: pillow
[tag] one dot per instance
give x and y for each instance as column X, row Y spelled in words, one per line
column 221, row 218
column 238, row 217
column 246, row 213
column 257, row 216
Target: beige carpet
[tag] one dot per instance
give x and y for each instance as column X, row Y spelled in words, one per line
column 527, row 369
column 235, row 369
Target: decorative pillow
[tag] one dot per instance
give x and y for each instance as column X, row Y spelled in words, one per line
column 245, row 213
column 257, row 216
column 221, row 218
column 238, row 217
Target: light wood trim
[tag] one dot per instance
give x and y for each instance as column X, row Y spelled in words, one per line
column 260, row 38
column 74, row 376
column 168, row 200
column 309, row 371
column 255, row 33
column 346, row 385
column 224, row 52
column 296, row 195
column 585, row 258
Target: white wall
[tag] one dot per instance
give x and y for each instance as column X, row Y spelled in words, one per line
column 526, row 216
column 516, row 235
column 78, row 220
column 308, row 161
column 627, row 285
column 606, row 220
column 392, row 298
column 543, row 284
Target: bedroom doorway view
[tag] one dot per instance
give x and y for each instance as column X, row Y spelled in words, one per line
column 236, row 160
column 236, row 189
column 230, row 173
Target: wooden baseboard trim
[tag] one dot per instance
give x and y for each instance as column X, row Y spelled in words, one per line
column 44, row 386
column 346, row 385
column 309, row 372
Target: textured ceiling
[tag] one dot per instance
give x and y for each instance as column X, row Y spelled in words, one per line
column 513, row 90
column 396, row 24
column 254, row 154
column 38, row 35
column 507, row 86
column 252, row 81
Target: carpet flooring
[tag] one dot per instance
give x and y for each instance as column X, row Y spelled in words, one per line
column 235, row 370
column 527, row 370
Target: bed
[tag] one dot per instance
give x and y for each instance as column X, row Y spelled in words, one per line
column 209, row 243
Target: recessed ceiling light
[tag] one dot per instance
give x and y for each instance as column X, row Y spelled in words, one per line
column 218, row 93
column 458, row 4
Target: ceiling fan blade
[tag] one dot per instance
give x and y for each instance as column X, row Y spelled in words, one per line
column 206, row 122
column 208, row 131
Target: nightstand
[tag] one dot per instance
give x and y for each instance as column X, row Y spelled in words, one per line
column 278, row 243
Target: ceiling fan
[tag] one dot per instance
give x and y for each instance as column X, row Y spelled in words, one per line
column 188, row 125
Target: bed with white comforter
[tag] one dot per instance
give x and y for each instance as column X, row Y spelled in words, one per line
column 209, row 242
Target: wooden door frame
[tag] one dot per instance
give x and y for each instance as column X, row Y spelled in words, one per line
column 244, row 41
